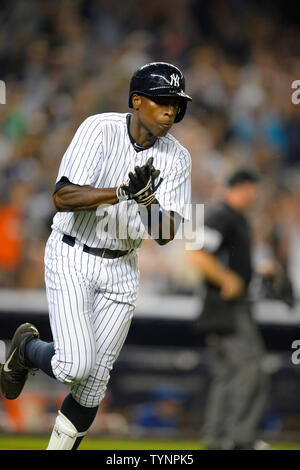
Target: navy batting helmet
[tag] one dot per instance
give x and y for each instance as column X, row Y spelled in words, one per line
column 160, row 79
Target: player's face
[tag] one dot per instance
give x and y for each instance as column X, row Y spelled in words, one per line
column 157, row 114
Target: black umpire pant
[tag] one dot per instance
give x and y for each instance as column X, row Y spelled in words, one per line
column 238, row 384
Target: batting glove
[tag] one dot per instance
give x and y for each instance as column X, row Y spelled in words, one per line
column 140, row 184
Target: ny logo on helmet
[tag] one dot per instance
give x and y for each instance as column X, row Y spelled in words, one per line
column 175, row 80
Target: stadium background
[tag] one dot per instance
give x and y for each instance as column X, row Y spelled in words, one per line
column 64, row 60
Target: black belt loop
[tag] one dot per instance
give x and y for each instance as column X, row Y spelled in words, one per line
column 69, row 240
column 103, row 252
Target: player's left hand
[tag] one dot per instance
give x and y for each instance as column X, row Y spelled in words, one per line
column 140, row 178
column 140, row 184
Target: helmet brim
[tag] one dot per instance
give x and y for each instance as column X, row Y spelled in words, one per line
column 160, row 92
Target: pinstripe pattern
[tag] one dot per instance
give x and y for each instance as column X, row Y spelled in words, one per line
column 102, row 155
column 91, row 302
column 91, row 299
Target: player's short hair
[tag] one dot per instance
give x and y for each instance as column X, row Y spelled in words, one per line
column 243, row 175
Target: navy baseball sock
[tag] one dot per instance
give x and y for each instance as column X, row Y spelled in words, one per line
column 80, row 416
column 39, row 354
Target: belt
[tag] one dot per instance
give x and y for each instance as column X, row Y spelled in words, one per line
column 103, row 252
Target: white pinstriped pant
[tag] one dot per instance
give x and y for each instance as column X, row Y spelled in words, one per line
column 91, row 303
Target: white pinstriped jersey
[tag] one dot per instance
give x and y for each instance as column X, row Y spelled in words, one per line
column 101, row 155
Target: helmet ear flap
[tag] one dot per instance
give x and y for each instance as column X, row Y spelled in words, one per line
column 181, row 110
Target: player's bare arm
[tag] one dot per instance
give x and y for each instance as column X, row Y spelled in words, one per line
column 161, row 224
column 74, row 198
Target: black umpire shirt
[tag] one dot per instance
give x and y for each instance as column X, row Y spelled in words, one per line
column 227, row 235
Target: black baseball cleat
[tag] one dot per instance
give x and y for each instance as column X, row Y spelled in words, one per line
column 14, row 373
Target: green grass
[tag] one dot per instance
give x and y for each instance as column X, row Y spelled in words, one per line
column 92, row 443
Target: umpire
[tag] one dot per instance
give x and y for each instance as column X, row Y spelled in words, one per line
column 238, row 386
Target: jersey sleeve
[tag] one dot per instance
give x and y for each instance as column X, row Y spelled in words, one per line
column 82, row 157
column 174, row 193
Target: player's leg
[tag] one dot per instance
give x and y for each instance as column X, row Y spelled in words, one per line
column 73, row 353
column 78, row 411
column 80, row 407
column 69, row 362
column 69, row 301
column 112, row 322
column 74, row 358
column 113, row 308
column 71, row 424
column 111, row 329
column 39, row 355
column 70, row 298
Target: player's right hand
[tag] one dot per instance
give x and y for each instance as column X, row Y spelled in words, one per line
column 232, row 285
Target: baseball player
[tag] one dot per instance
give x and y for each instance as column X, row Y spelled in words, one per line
column 123, row 176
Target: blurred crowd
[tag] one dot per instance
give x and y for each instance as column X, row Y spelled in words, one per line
column 64, row 60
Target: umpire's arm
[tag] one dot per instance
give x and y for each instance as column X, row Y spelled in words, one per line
column 230, row 283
